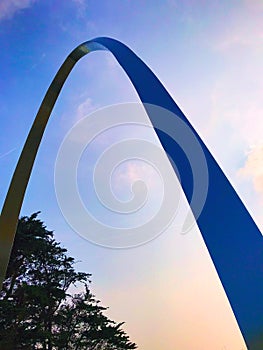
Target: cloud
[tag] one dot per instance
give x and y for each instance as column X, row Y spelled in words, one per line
column 85, row 108
column 135, row 170
column 250, row 180
column 81, row 7
column 236, row 110
column 8, row 8
column 235, row 117
column 243, row 31
column 253, row 169
column 253, row 5
column 232, row 41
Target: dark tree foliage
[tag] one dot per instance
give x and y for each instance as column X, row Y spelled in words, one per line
column 36, row 309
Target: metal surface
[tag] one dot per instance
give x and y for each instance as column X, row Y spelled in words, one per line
column 233, row 240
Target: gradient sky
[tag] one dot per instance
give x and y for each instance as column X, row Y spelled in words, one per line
column 208, row 54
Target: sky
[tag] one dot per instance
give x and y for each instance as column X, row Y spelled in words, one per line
column 208, row 55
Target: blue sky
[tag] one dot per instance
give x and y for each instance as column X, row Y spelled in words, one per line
column 208, row 54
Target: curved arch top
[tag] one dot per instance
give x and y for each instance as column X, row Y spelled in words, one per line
column 233, row 240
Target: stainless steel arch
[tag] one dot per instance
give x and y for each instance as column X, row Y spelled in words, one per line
column 237, row 258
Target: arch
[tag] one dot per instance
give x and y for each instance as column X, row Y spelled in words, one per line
column 230, row 234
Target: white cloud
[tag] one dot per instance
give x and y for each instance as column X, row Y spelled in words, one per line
column 249, row 179
column 253, row 169
column 85, row 108
column 81, row 7
column 8, row 8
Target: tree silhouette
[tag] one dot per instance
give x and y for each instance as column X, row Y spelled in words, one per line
column 36, row 309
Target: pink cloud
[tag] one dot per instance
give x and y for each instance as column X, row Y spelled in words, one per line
column 133, row 171
column 253, row 169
